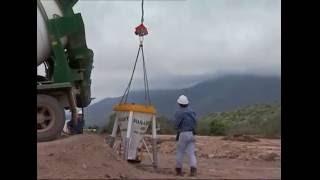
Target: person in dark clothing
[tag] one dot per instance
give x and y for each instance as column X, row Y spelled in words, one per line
column 76, row 128
column 185, row 122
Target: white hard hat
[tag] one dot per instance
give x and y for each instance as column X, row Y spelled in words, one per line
column 183, row 100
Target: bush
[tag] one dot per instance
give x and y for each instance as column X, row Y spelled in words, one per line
column 203, row 125
column 242, row 129
column 218, row 127
column 166, row 127
column 272, row 127
column 264, row 120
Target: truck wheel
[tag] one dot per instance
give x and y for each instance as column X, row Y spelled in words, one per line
column 50, row 118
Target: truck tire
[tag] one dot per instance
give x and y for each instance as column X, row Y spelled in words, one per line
column 50, row 118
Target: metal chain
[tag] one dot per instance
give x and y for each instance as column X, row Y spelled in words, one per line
column 126, row 92
column 146, row 84
column 145, row 77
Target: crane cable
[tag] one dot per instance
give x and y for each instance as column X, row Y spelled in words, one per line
column 142, row 12
column 140, row 31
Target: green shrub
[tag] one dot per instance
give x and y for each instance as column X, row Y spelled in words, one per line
column 218, row 127
column 166, row 127
column 264, row 120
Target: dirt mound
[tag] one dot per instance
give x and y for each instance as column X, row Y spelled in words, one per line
column 84, row 156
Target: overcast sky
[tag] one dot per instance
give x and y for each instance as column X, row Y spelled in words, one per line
column 188, row 41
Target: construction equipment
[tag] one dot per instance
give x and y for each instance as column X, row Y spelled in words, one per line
column 132, row 119
column 62, row 49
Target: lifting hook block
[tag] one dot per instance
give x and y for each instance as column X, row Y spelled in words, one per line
column 141, row 30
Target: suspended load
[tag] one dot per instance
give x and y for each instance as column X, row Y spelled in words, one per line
column 133, row 120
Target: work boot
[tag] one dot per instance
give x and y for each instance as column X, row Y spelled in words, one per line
column 178, row 171
column 193, row 171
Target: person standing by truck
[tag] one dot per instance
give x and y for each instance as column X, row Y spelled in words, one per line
column 185, row 123
column 77, row 128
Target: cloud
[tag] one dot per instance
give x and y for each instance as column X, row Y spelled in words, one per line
column 186, row 39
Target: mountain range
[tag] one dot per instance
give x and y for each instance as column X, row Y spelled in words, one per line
column 214, row 95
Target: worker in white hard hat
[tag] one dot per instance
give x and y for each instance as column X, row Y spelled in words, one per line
column 185, row 124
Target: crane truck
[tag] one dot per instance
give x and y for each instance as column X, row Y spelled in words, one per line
column 63, row 51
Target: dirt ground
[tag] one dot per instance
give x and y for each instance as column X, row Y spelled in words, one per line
column 88, row 157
